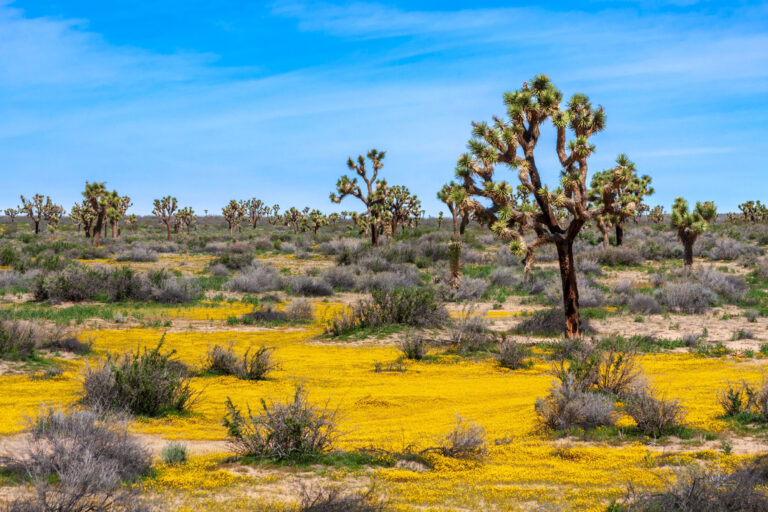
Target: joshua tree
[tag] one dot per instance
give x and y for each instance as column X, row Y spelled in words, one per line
column 52, row 214
column 275, row 216
column 753, row 211
column 95, row 206
column 376, row 193
column 456, row 199
column 186, row 216
column 630, row 193
column 657, row 214
column 234, row 213
column 690, row 225
column 34, row 208
column 333, row 218
column 553, row 216
column 132, row 221
column 117, row 206
column 439, row 219
column 293, row 218
column 164, row 209
column 402, row 207
column 11, row 213
column 314, row 220
column 256, row 210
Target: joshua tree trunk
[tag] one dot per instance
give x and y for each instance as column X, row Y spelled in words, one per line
column 114, row 230
column 606, row 240
column 97, row 230
column 570, row 288
column 37, row 227
column 455, row 225
column 619, row 233
column 374, row 234
column 463, row 225
column 168, row 229
column 688, row 241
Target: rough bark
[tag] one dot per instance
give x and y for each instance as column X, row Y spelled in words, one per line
column 570, row 289
column 619, row 234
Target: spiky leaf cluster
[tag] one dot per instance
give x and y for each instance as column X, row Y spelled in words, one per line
column 692, row 222
column 627, row 196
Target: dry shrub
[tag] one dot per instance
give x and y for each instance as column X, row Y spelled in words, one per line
column 19, row 339
column 617, row 370
column 568, row 405
column 513, row 355
column 654, row 416
column 414, row 347
column 465, row 441
column 78, row 462
column 336, row 500
column 251, row 365
column 294, row 429
column 310, row 286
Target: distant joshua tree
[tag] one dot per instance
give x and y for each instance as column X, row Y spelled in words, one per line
column 256, row 210
column 314, row 220
column 690, row 225
column 333, row 218
column 274, row 217
column 657, row 214
column 95, row 208
column 456, row 199
column 34, row 209
column 52, row 214
column 164, row 210
column 294, row 218
column 439, row 219
column 553, row 216
column 754, row 211
column 117, row 206
column 375, row 194
column 186, row 217
column 402, row 207
column 628, row 197
column 11, row 213
column 234, row 213
column 131, row 220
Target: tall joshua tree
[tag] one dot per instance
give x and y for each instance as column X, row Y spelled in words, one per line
column 234, row 213
column 186, row 217
column 11, row 213
column 96, row 202
column 691, row 224
column 294, row 218
column 552, row 216
column 116, row 210
column 256, row 210
column 314, row 220
column 632, row 192
column 52, row 214
column 456, row 199
column 164, row 209
column 375, row 194
column 34, row 208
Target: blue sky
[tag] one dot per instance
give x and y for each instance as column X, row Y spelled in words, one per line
column 212, row 101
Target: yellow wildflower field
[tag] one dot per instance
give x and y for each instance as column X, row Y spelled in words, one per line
column 412, row 409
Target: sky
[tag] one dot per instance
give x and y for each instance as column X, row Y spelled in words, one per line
column 212, row 101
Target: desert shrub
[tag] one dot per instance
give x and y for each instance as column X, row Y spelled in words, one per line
column 505, row 258
column 253, row 364
column 219, row 270
column 751, row 315
column 513, row 355
column 310, row 286
column 405, row 276
column 698, row 489
column 413, row 347
column 76, row 283
column 410, row 306
column 235, row 260
column 469, row 332
column 345, row 278
column 465, row 441
column 737, row 398
column 336, row 500
column 590, row 296
column 62, row 339
column 549, row 323
column 642, row 303
column 255, row 279
column 589, row 266
column 622, row 287
column 568, row 405
column 690, row 339
column 78, row 462
column 9, row 279
column 137, row 254
column 147, row 382
column 174, row 452
column 293, row 429
column 729, row 286
column 340, row 245
column 299, row 311
column 729, row 249
column 619, row 256
column 266, row 314
column 617, row 370
column 19, row 339
column 686, row 297
column 654, row 416
column 506, row 277
column 470, row 288
column 176, row 290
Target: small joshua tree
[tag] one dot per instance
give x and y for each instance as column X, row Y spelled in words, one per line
column 52, row 214
column 753, row 211
column 657, row 214
column 314, row 220
column 116, row 210
column 95, row 207
column 234, row 213
column 294, row 218
column 256, row 210
column 456, row 199
column 186, row 217
column 275, row 215
column 375, row 194
column 628, row 196
column 402, row 207
column 552, row 216
column 132, row 221
column 164, row 210
column 439, row 219
column 333, row 218
column 690, row 225
column 34, row 209
column 11, row 213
